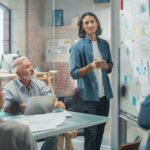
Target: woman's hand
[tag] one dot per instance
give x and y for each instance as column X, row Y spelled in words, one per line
column 96, row 64
column 105, row 66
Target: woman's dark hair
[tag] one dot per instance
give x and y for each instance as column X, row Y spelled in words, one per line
column 81, row 31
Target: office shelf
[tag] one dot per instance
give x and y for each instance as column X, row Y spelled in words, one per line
column 66, row 27
column 103, row 4
column 107, row 4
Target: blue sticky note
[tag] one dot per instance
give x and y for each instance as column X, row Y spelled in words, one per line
column 134, row 100
column 125, row 79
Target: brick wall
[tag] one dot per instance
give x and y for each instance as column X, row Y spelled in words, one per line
column 34, row 31
column 64, row 85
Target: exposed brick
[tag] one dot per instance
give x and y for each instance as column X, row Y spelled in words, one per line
column 64, row 85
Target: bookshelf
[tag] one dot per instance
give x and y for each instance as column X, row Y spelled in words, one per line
column 107, row 4
column 66, row 27
column 103, row 4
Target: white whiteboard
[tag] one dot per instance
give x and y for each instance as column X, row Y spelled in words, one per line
column 135, row 54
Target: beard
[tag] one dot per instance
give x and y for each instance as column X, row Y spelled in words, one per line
column 29, row 77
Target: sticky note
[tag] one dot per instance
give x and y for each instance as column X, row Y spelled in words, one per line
column 134, row 100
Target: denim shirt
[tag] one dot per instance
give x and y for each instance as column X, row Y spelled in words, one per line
column 81, row 54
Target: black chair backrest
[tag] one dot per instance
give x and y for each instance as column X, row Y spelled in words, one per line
column 132, row 145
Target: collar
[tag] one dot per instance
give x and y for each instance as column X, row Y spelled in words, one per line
column 86, row 39
column 21, row 85
column 89, row 41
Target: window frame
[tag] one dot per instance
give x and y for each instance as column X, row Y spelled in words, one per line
column 9, row 28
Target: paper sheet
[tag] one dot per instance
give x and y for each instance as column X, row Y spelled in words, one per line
column 41, row 122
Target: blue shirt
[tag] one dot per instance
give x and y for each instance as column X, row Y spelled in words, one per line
column 16, row 91
column 81, row 54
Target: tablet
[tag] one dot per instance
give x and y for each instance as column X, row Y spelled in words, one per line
column 39, row 104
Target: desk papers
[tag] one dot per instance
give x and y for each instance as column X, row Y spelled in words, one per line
column 41, row 122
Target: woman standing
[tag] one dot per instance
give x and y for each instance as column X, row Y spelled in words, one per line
column 90, row 64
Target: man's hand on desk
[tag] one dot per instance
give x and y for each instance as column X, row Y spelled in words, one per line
column 59, row 104
column 22, row 106
column 15, row 107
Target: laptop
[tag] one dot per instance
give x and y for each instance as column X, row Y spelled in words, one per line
column 39, row 104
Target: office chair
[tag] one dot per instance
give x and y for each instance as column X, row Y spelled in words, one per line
column 132, row 145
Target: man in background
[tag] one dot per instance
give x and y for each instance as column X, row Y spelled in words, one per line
column 15, row 136
column 17, row 92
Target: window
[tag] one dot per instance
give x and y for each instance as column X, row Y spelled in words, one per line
column 5, row 46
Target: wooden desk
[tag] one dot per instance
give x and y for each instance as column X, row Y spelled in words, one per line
column 6, row 76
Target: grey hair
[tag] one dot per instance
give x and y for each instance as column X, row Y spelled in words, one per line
column 17, row 62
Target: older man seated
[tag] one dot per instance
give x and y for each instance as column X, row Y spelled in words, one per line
column 17, row 91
